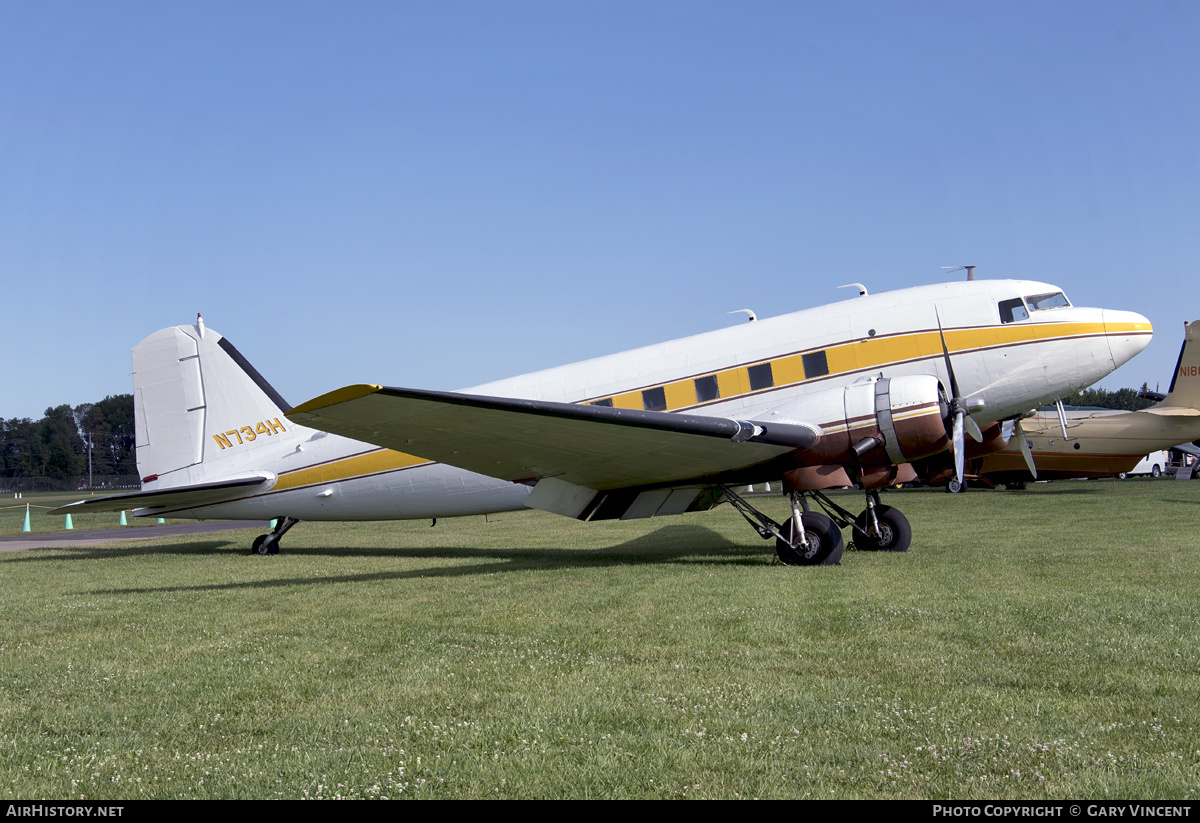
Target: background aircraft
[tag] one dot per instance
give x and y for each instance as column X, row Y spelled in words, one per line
column 821, row 397
column 1103, row 443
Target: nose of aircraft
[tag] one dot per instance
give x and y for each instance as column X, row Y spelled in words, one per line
column 1128, row 333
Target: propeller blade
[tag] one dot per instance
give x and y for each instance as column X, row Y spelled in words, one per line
column 973, row 429
column 946, row 354
column 958, row 407
column 1025, row 451
column 959, row 446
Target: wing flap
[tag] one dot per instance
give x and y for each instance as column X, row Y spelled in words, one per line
column 598, row 447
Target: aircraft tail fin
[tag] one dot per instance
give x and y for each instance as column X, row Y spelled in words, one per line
column 202, row 412
column 1185, row 382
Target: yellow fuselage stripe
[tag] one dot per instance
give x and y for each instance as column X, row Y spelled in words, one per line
column 873, row 353
column 376, row 462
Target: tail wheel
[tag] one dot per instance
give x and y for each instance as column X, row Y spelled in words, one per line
column 895, row 534
column 824, row 542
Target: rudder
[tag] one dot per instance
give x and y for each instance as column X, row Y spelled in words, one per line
column 199, row 406
column 1185, row 382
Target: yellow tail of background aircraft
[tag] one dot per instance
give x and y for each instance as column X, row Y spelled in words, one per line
column 820, row 398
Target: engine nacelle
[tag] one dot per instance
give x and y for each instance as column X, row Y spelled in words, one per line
column 867, row 428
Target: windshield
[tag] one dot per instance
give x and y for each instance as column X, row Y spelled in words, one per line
column 1050, row 300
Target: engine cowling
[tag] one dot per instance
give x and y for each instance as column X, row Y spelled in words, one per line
column 869, row 428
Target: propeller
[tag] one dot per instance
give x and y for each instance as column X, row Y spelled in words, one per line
column 959, row 409
column 1023, row 442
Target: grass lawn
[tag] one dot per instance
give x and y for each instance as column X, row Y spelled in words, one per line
column 1038, row 644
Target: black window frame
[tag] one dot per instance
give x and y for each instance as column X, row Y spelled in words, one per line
column 654, row 399
column 711, row 388
column 760, row 376
column 815, row 363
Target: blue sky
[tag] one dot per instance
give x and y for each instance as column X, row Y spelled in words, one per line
column 438, row 194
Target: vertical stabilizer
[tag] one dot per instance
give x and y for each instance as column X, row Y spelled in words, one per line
column 1185, row 382
column 202, row 412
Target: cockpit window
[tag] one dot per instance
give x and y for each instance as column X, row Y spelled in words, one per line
column 1050, row 300
column 1018, row 308
column 1013, row 310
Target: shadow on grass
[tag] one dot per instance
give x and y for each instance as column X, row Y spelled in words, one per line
column 1051, row 490
column 671, row 544
column 58, row 554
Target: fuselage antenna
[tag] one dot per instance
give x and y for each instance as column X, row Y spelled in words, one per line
column 970, row 270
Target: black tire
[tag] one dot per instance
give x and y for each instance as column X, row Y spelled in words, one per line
column 263, row 544
column 1156, row 472
column 895, row 534
column 825, row 543
column 955, row 487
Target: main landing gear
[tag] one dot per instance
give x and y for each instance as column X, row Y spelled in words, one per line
column 269, row 543
column 811, row 538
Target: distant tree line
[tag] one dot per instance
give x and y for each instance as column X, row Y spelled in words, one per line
column 54, row 452
column 1124, row 399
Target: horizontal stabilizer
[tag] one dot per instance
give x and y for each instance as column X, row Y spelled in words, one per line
column 598, row 447
column 180, row 497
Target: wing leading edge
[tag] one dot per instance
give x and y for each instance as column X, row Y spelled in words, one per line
column 597, row 447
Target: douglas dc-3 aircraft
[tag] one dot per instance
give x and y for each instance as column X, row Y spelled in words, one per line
column 821, row 398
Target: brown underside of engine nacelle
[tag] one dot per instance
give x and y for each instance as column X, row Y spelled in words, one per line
column 939, row 468
column 887, row 424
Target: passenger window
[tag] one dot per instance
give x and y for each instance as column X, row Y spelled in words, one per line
column 654, row 399
column 605, row 402
column 707, row 389
column 815, row 364
column 1013, row 310
column 761, row 377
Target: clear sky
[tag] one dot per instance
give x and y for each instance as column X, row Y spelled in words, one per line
column 438, row 194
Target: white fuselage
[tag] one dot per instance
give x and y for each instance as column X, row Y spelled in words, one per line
column 1010, row 367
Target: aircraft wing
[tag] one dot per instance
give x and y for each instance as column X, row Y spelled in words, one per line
column 180, row 497
column 597, row 447
column 1173, row 411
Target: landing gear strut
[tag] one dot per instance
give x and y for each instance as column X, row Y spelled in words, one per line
column 807, row 538
column 269, row 543
column 811, row 538
column 881, row 528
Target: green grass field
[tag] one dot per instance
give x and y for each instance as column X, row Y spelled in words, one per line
column 1039, row 644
